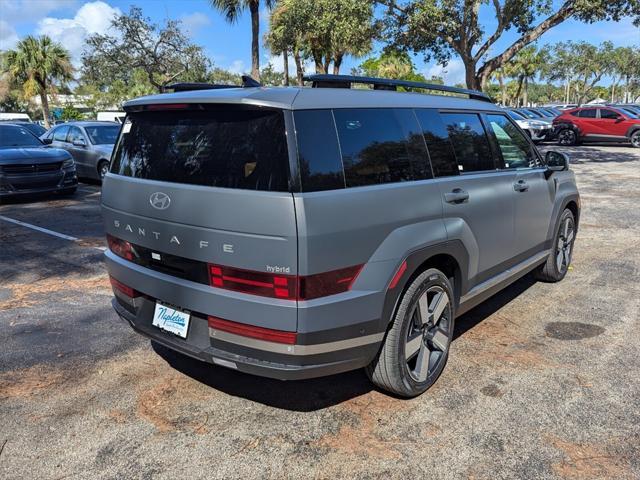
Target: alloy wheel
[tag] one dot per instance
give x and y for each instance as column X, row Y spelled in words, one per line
column 566, row 137
column 565, row 245
column 428, row 334
column 635, row 140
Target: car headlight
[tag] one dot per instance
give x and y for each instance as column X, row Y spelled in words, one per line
column 68, row 163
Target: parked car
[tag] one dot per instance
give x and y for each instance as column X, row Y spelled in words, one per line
column 597, row 124
column 27, row 166
column 90, row 143
column 117, row 116
column 634, row 109
column 300, row 232
column 537, row 129
column 34, row 128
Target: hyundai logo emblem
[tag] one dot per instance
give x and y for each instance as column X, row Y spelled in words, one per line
column 160, row 200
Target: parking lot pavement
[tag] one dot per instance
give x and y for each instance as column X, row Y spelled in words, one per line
column 542, row 381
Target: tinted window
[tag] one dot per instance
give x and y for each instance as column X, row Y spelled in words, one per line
column 470, row 142
column 318, row 151
column 103, row 135
column 12, row 136
column 588, row 113
column 232, row 148
column 380, row 146
column 515, row 148
column 630, row 113
column 515, row 115
column 60, row 134
column 610, row 114
column 535, row 113
column 75, row 134
column 443, row 159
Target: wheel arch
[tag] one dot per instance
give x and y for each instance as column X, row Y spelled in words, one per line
column 450, row 257
column 632, row 129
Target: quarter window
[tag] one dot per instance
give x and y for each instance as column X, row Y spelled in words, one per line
column 380, row 146
column 318, row 151
column 470, row 142
column 60, row 134
column 515, row 148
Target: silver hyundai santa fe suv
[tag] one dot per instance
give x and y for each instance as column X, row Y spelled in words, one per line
column 300, row 232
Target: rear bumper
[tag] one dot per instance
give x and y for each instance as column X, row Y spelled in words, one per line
column 215, row 353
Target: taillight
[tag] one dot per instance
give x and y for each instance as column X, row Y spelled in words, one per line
column 256, row 283
column 287, row 287
column 245, row 330
column 122, row 248
column 118, row 285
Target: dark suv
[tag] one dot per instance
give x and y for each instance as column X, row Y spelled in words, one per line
column 300, row 232
column 597, row 124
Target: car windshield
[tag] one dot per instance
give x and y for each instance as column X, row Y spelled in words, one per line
column 527, row 114
column 535, row 113
column 14, row 136
column 630, row 113
column 103, row 134
column 516, row 115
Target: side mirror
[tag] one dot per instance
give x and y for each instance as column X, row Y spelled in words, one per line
column 47, row 141
column 79, row 142
column 556, row 162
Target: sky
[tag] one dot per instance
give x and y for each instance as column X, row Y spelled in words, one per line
column 228, row 45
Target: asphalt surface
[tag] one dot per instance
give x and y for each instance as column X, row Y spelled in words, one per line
column 542, row 381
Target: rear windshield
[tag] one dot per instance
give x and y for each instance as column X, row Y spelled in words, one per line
column 13, row 136
column 230, row 148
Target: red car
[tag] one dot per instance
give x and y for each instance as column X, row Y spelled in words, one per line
column 597, row 124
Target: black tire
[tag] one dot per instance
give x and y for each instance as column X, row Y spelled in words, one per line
column 557, row 264
column 103, row 168
column 635, row 139
column 567, row 137
column 391, row 370
column 68, row 191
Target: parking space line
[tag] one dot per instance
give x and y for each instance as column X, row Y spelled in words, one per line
column 39, row 229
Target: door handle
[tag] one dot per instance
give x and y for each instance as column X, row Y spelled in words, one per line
column 457, row 195
column 521, row 186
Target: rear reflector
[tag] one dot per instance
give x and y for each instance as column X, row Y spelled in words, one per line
column 118, row 285
column 122, row 248
column 286, row 287
column 259, row 333
column 396, row 278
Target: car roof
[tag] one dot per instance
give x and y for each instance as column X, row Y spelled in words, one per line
column 88, row 123
column 305, row 98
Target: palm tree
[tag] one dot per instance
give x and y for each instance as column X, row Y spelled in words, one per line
column 232, row 9
column 526, row 65
column 37, row 63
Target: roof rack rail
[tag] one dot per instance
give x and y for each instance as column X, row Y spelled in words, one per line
column 345, row 81
column 247, row 81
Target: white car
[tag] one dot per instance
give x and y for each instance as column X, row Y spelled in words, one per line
column 538, row 129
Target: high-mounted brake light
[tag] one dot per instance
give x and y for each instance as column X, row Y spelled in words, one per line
column 122, row 248
column 261, row 333
column 167, row 106
column 118, row 285
column 287, row 287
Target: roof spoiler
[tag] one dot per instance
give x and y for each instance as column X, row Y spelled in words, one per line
column 345, row 81
column 247, row 82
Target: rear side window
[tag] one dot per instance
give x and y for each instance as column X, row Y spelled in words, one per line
column 588, row 113
column 318, row 151
column 470, row 142
column 380, row 146
column 60, row 134
column 443, row 158
column 222, row 147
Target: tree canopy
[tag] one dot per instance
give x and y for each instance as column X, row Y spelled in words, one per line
column 163, row 53
column 439, row 29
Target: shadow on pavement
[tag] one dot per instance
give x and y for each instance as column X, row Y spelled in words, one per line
column 318, row 393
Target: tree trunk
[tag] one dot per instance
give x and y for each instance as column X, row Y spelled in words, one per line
column 525, row 94
column 45, row 107
column 317, row 59
column 613, row 92
column 337, row 61
column 299, row 69
column 285, row 65
column 519, row 91
column 503, row 91
column 473, row 81
column 626, row 90
column 255, row 39
column 567, row 91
